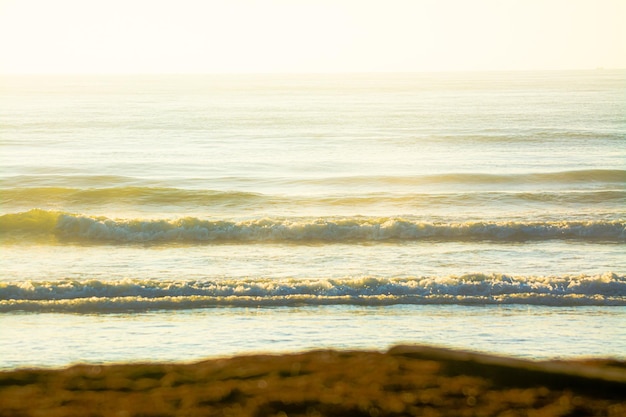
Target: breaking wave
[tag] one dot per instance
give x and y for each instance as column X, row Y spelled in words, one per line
column 474, row 289
column 65, row 226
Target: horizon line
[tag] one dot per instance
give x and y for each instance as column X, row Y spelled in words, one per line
column 292, row 73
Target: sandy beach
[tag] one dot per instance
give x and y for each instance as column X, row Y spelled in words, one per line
column 404, row 381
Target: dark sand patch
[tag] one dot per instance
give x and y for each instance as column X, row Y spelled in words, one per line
column 405, row 381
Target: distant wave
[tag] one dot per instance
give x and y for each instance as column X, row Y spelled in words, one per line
column 565, row 177
column 479, row 289
column 102, row 182
column 126, row 194
column 66, row 226
column 541, row 135
column 160, row 196
column 70, row 179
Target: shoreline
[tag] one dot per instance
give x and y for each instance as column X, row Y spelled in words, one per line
column 405, row 380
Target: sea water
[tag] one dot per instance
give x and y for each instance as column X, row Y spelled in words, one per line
column 174, row 218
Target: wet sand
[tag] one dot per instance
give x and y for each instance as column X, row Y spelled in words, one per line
column 405, row 381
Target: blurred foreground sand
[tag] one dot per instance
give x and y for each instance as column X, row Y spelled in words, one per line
column 405, row 381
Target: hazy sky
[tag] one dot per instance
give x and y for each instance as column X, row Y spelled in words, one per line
column 174, row 36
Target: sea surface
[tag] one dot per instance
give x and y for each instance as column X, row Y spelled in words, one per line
column 174, row 218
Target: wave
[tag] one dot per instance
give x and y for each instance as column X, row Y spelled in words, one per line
column 474, row 289
column 70, row 178
column 68, row 227
column 102, row 182
column 160, row 196
column 611, row 176
column 126, row 194
column 537, row 135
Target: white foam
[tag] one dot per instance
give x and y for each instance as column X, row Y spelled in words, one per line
column 103, row 296
column 329, row 229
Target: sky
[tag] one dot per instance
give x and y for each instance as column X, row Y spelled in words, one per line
column 309, row 36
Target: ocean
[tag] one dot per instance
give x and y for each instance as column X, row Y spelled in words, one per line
column 181, row 217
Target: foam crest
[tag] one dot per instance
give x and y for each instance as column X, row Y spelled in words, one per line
column 479, row 289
